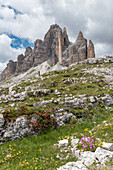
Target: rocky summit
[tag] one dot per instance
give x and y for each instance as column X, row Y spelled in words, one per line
column 55, row 48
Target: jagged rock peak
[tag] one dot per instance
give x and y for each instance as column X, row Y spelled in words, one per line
column 53, row 30
column 37, row 43
column 64, row 30
column 90, row 43
column 28, row 51
column 9, row 70
column 54, row 26
column 80, row 36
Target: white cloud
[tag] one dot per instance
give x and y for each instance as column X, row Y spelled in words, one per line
column 30, row 23
column 6, row 13
column 2, row 66
column 24, row 6
column 93, row 17
column 103, row 49
column 6, row 51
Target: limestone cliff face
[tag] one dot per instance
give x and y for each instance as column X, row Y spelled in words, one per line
column 76, row 51
column 55, row 47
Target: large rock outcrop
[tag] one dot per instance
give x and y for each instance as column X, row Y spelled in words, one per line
column 55, row 47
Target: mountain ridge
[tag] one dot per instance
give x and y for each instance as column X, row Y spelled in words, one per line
column 55, row 48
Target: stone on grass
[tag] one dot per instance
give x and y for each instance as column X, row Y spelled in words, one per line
column 92, row 99
column 102, row 155
column 108, row 146
column 73, row 166
column 1, row 120
column 18, row 129
column 75, row 152
column 63, row 142
column 74, row 142
column 88, row 158
column 89, row 161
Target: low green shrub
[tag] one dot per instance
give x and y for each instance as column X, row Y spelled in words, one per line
column 44, row 120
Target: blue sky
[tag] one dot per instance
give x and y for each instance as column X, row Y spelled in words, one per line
column 19, row 42
column 16, row 42
column 24, row 21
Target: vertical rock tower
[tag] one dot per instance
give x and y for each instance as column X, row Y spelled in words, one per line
column 63, row 44
column 91, row 51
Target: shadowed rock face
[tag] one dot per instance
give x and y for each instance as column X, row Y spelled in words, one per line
column 28, row 51
column 9, row 70
column 54, row 48
column 19, row 65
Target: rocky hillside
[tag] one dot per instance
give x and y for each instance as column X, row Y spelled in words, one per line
column 86, row 84
column 78, row 99
column 92, row 77
column 55, row 48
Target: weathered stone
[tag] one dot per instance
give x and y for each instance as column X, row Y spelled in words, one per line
column 74, row 142
column 102, row 155
column 76, row 152
column 42, row 92
column 1, row 120
column 73, row 166
column 88, row 158
column 67, row 117
column 28, row 51
column 76, row 51
column 18, row 129
column 63, row 142
column 108, row 146
column 92, row 99
column 91, row 51
column 20, row 60
column 107, row 100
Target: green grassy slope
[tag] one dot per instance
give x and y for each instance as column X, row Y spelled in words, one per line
column 38, row 151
